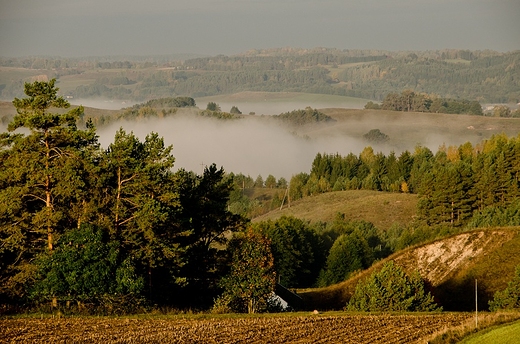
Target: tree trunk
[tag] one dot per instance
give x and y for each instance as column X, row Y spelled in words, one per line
column 48, row 198
column 118, row 199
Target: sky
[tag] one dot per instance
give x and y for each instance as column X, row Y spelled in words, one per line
column 160, row 27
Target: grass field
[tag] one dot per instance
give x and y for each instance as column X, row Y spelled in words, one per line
column 277, row 328
column 505, row 334
column 275, row 103
column 383, row 209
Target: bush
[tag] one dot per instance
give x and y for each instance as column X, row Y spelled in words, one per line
column 376, row 136
column 391, row 289
column 372, row 106
column 508, row 298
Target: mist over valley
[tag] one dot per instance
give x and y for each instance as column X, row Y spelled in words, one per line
column 259, row 145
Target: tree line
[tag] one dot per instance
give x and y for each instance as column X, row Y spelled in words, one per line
column 456, row 185
column 410, row 101
column 482, row 76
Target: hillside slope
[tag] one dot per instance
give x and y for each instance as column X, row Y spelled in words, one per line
column 451, row 266
column 381, row 208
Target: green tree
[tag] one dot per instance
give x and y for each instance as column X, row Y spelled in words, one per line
column 53, row 138
column 349, row 253
column 205, row 218
column 252, row 279
column 259, row 182
column 376, row 136
column 297, row 250
column 391, row 289
column 372, row 106
column 212, row 106
column 85, row 266
column 234, row 110
column 270, row 181
column 142, row 204
column 282, row 183
column 43, row 187
column 501, row 111
column 509, row 298
column 297, row 186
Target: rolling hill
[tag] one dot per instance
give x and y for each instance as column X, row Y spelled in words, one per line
column 383, row 209
column 451, row 265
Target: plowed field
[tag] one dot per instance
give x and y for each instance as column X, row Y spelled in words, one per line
column 263, row 329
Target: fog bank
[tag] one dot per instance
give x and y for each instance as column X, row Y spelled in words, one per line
column 250, row 146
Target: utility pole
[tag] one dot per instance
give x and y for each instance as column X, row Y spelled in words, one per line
column 286, row 194
column 476, row 305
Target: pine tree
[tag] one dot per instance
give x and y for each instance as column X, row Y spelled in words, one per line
column 142, row 203
column 43, row 177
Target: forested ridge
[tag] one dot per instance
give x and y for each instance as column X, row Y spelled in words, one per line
column 483, row 76
column 456, row 185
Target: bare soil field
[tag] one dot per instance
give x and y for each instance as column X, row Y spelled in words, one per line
column 261, row 329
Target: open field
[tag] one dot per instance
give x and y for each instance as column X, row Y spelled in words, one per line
column 506, row 334
column 383, row 209
column 408, row 129
column 342, row 328
column 275, row 103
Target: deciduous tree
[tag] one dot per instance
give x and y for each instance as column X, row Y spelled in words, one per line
column 252, row 279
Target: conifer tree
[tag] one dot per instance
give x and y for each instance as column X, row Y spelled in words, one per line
column 142, row 203
column 42, row 177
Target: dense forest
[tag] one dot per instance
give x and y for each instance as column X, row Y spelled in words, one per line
column 457, row 186
column 483, row 76
column 116, row 229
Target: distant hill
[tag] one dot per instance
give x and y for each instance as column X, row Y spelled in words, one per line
column 451, row 265
column 485, row 76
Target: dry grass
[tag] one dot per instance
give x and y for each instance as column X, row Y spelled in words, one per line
column 381, row 208
column 408, row 129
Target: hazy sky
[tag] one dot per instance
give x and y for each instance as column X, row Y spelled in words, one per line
column 137, row 27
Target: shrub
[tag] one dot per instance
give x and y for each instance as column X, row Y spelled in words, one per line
column 508, row 298
column 391, row 289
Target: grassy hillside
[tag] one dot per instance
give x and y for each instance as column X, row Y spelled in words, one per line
column 381, row 208
column 505, row 334
column 451, row 265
